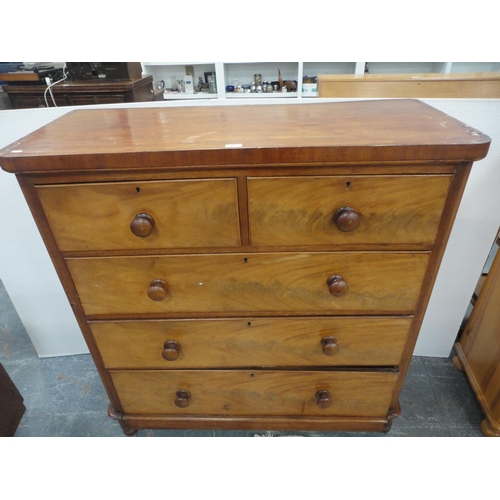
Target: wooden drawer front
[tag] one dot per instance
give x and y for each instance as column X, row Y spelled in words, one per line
column 391, row 209
column 192, row 213
column 252, row 342
column 82, row 100
column 258, row 392
column 22, row 101
column 287, row 282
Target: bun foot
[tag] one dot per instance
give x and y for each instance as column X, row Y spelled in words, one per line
column 387, row 427
column 115, row 415
column 490, row 429
column 130, row 432
column 391, row 415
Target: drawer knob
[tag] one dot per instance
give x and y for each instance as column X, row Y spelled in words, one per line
column 171, row 350
column 182, row 399
column 336, row 285
column 330, row 346
column 323, row 399
column 142, row 225
column 158, row 290
column 346, row 219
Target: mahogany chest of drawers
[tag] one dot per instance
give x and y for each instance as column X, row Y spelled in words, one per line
column 249, row 267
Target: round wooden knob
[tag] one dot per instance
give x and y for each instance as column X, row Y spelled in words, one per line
column 336, row 285
column 157, row 290
column 346, row 219
column 171, row 350
column 323, row 399
column 142, row 225
column 182, row 399
column 330, row 346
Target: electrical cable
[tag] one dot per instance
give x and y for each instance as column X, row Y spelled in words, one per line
column 50, row 85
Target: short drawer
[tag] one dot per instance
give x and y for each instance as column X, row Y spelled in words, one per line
column 250, row 342
column 255, row 392
column 290, row 283
column 346, row 210
column 143, row 215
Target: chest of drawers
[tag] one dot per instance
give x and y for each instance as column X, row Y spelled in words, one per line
column 249, row 267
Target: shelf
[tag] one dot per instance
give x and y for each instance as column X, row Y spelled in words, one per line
column 260, row 95
column 483, row 81
column 183, row 96
column 380, row 68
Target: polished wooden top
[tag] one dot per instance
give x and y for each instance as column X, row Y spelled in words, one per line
column 252, row 135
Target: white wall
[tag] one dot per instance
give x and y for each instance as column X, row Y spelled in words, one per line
column 30, row 279
column 25, row 266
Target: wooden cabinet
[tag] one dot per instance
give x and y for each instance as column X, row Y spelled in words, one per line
column 229, row 275
column 420, row 85
column 11, row 405
column 478, row 351
column 81, row 93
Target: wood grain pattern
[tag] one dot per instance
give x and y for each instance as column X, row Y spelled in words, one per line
column 190, row 213
column 480, row 346
column 259, row 392
column 291, row 282
column 411, row 85
column 252, row 342
column 329, row 133
column 187, row 330
column 300, row 210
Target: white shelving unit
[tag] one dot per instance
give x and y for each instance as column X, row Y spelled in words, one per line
column 172, row 72
column 243, row 72
column 378, row 68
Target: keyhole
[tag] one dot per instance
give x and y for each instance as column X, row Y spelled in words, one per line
column 138, row 190
column 245, row 260
column 348, row 184
column 249, row 323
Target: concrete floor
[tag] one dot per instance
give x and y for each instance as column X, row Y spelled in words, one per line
column 64, row 395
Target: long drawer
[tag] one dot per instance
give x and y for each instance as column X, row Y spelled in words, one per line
column 346, row 210
column 275, row 282
column 163, row 214
column 226, row 343
column 255, row 392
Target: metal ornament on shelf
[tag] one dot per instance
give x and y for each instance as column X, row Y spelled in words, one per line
column 212, row 85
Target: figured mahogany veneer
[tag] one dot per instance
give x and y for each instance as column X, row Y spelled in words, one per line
column 237, row 283
column 257, row 392
column 249, row 267
column 346, row 209
column 222, row 343
column 166, row 214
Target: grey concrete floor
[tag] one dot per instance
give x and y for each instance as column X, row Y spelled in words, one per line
column 64, row 395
